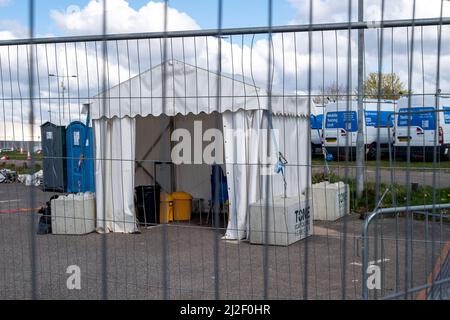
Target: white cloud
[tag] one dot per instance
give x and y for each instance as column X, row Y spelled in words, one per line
column 11, row 29
column 338, row 11
column 121, row 18
column 6, row 35
column 253, row 61
column 85, row 61
column 393, row 58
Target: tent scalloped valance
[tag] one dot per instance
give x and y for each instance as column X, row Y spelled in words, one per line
column 189, row 90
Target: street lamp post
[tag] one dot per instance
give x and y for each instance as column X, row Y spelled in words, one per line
column 63, row 87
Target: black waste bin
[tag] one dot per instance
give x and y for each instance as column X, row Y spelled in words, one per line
column 147, row 204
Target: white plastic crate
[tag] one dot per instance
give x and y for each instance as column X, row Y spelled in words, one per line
column 331, row 200
column 73, row 214
column 289, row 220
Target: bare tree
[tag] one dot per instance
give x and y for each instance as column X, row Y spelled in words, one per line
column 333, row 92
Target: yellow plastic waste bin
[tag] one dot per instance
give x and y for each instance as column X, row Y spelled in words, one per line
column 182, row 206
column 166, row 208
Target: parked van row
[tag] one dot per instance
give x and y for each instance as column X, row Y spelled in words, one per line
column 423, row 126
column 416, row 123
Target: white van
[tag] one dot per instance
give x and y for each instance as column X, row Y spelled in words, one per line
column 428, row 126
column 317, row 130
column 341, row 126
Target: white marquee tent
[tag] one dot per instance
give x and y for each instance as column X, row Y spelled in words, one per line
column 130, row 122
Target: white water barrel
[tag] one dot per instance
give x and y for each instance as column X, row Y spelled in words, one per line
column 73, row 214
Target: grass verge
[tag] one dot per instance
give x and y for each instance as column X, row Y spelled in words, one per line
column 16, row 155
column 21, row 169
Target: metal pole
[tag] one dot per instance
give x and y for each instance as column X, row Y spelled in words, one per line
column 235, row 31
column 62, row 89
column 360, row 149
column 34, row 251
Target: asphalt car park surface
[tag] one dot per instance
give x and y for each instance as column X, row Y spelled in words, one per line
column 132, row 264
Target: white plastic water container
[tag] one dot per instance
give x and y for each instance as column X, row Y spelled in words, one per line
column 331, row 200
column 73, row 214
column 289, row 220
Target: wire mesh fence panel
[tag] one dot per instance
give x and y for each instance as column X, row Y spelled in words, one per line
column 281, row 162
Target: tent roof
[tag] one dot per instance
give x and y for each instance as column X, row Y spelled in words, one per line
column 188, row 89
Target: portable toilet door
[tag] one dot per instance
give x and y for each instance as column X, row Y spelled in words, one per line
column 80, row 163
column 54, row 157
column 89, row 162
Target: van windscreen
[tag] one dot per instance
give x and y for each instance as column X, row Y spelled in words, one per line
column 342, row 120
column 418, row 117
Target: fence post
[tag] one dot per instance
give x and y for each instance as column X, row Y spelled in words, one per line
column 360, row 150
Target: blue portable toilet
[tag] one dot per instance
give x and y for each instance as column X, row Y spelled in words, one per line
column 80, row 158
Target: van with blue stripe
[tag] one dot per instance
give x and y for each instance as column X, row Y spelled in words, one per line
column 317, row 129
column 341, row 126
column 423, row 123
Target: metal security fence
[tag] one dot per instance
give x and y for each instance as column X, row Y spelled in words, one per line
column 225, row 116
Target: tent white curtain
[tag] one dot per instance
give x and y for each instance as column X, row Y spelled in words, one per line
column 241, row 131
column 294, row 144
column 248, row 168
column 115, row 141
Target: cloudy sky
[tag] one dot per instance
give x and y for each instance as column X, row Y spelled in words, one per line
column 246, row 55
column 131, row 15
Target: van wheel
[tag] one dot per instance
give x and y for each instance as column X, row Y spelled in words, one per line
column 372, row 153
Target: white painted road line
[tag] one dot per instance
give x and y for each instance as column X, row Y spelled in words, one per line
column 370, row 263
column 15, row 200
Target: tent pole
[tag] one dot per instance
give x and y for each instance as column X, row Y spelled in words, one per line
column 153, row 145
column 139, row 165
